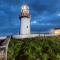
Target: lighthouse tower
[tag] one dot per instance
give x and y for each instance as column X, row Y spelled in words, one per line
column 24, row 24
column 25, row 20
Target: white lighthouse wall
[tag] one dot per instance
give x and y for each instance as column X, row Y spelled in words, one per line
column 25, row 26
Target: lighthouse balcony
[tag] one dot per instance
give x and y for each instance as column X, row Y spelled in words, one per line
column 24, row 15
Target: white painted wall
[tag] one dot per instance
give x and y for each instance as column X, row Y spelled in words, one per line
column 3, row 37
column 24, row 30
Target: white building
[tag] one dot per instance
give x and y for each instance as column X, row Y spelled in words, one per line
column 25, row 20
column 55, row 31
column 25, row 24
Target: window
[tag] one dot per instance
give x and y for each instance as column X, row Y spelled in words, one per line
column 27, row 26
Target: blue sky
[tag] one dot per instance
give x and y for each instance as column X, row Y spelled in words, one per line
column 45, row 15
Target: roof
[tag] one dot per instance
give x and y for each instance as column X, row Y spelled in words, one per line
column 56, row 28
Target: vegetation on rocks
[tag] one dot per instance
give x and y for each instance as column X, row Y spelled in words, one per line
column 38, row 48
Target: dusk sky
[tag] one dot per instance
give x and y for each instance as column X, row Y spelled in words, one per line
column 45, row 15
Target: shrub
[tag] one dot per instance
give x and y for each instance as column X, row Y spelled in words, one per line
column 39, row 48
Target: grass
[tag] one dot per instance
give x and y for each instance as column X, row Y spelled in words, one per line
column 38, row 48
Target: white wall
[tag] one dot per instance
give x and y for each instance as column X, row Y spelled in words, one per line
column 24, row 23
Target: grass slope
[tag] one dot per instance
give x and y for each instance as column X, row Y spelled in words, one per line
column 39, row 48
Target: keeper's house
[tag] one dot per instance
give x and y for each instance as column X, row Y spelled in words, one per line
column 56, row 31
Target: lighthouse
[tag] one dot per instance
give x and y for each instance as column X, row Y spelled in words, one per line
column 24, row 17
column 24, row 20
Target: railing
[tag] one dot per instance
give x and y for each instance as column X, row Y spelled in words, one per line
column 4, row 48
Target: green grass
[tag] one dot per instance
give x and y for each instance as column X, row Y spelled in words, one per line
column 39, row 48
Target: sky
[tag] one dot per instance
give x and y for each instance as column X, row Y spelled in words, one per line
column 45, row 15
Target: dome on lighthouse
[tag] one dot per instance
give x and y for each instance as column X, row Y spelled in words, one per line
column 25, row 8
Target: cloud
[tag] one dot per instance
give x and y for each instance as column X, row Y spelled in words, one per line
column 48, row 5
column 45, row 14
column 46, row 24
column 34, row 22
column 58, row 14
